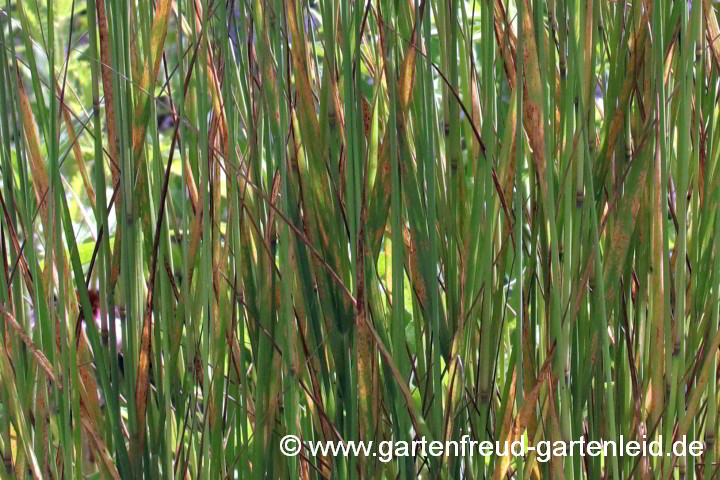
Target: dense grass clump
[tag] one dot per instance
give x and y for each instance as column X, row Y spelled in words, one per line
column 388, row 220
